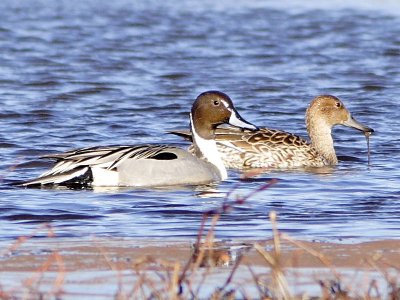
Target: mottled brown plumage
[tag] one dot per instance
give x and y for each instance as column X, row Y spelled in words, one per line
column 269, row 148
column 265, row 148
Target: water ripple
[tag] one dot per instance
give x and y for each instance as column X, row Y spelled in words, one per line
column 77, row 74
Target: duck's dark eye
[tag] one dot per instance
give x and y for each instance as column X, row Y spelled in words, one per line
column 338, row 104
column 216, row 102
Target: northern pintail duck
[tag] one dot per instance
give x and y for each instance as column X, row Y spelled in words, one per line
column 152, row 165
column 269, row 148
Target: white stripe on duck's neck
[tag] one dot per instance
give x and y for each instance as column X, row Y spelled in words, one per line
column 208, row 150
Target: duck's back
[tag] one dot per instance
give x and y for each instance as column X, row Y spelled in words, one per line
column 266, row 148
column 183, row 169
column 141, row 165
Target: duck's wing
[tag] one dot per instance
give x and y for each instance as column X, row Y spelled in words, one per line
column 186, row 134
column 246, row 140
column 78, row 163
column 265, row 148
column 262, row 140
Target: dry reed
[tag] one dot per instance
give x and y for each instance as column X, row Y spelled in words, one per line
column 152, row 278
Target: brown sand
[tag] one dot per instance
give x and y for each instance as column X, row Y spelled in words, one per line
column 100, row 268
column 104, row 254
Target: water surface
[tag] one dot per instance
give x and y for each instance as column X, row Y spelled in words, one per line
column 76, row 74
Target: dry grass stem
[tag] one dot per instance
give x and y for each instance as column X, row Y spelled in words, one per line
column 324, row 260
column 157, row 278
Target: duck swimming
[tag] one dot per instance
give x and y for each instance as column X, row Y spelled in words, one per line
column 270, row 148
column 151, row 165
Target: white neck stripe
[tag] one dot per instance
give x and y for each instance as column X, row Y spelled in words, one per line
column 208, row 149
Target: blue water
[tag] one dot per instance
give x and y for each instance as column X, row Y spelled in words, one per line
column 77, row 74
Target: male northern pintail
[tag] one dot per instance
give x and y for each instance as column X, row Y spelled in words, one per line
column 269, row 148
column 152, row 165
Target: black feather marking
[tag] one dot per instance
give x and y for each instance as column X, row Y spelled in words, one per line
column 129, row 153
column 165, row 156
column 83, row 181
column 114, row 151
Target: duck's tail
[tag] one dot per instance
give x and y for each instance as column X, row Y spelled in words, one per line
column 80, row 176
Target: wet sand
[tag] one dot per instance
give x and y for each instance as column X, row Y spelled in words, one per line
column 101, row 268
column 99, row 253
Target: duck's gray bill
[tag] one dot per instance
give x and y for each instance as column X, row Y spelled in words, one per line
column 238, row 121
column 351, row 122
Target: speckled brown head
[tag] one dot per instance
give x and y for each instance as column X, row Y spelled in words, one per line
column 213, row 108
column 328, row 111
column 324, row 112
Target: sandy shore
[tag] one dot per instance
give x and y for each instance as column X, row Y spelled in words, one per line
column 100, row 268
column 98, row 253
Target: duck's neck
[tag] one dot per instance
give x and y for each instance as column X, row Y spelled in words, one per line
column 321, row 139
column 207, row 149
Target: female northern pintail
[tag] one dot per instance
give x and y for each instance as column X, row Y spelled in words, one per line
column 269, row 148
column 152, row 165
